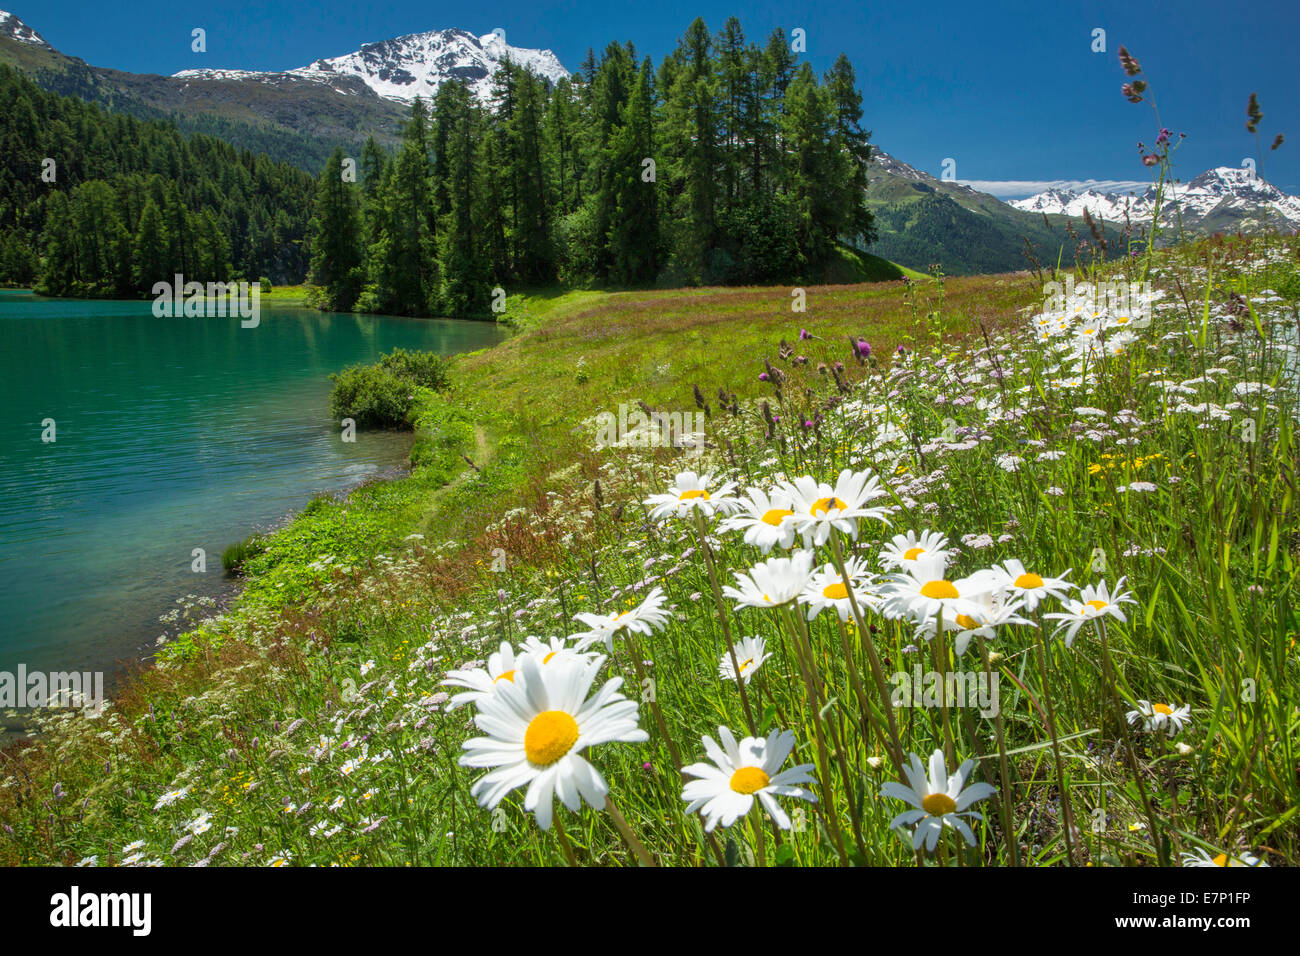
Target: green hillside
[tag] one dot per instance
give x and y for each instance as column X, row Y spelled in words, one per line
column 288, row 119
column 921, row 220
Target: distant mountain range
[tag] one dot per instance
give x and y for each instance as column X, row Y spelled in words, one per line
column 923, row 220
column 301, row 115
column 414, row 65
column 288, row 117
column 1224, row 199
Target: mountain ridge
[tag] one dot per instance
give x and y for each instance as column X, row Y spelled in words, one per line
column 1220, row 199
column 415, row 64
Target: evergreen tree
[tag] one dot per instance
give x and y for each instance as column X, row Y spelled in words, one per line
column 150, row 259
column 336, row 237
column 841, row 84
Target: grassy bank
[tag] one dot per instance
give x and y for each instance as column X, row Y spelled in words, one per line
column 310, row 725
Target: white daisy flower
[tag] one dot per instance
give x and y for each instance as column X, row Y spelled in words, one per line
column 1012, row 578
column 1094, row 603
column 939, row 800
column 904, row 550
column 726, row 789
column 646, row 618
column 818, row 507
column 773, row 582
column 992, row 615
column 750, row 654
column 692, row 492
column 537, row 729
column 553, row 649
column 1157, row 716
column 766, row 519
column 170, row 797
column 1201, row 857
column 827, row 589
column 922, row 591
column 483, row 682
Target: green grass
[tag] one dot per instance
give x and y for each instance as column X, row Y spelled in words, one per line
column 354, row 613
column 237, row 555
column 286, row 295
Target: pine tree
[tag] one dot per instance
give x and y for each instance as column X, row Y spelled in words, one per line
column 635, row 244
column 150, row 248
column 841, row 84
column 335, row 237
column 464, row 268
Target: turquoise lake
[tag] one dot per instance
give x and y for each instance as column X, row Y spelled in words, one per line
column 171, row 434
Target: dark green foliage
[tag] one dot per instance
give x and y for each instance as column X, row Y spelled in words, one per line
column 235, row 556
column 132, row 203
column 371, row 396
column 384, row 395
column 336, row 238
column 727, row 164
column 428, row 369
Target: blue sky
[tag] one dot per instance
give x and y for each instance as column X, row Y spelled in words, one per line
column 1011, row 91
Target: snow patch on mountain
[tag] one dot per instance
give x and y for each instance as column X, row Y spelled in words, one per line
column 12, row 27
column 414, row 65
column 1219, row 197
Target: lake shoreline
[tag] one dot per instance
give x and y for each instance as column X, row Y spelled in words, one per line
column 174, row 441
column 18, row 729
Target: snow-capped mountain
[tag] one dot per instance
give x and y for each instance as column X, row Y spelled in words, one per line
column 11, row 26
column 409, row 66
column 1224, row 198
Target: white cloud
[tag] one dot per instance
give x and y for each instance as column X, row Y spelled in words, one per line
column 1022, row 188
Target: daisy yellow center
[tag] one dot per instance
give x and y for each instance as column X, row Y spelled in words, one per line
column 937, row 804
column 1161, row 709
column 1221, row 860
column 1121, row 320
column 835, row 591
column 748, row 780
column 550, row 735
column 1096, row 605
column 911, row 554
column 506, row 675
column 745, row 663
column 774, row 516
column 823, row 505
column 687, row 495
column 1089, row 331
column 1028, row 581
column 547, row 658
column 967, row 622
column 939, row 589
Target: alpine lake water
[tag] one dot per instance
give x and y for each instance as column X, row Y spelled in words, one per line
column 170, row 434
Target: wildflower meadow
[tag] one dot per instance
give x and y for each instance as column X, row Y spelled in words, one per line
column 1022, row 597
